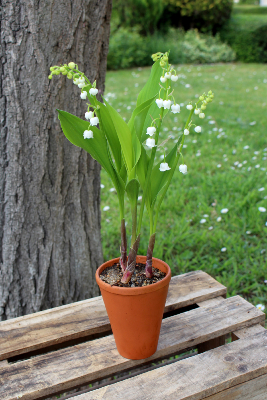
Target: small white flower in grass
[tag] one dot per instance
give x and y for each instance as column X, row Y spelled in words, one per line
column 88, row 135
column 83, row 95
column 202, row 221
column 164, row 167
column 159, row 103
column 252, row 123
column 151, row 130
column 102, row 186
column 189, row 107
column 174, row 78
column 266, row 223
column 167, row 104
column 260, row 307
column 168, row 75
column 187, row 85
column 202, row 115
column 219, row 219
column 224, row 210
column 223, row 249
column 262, row 209
column 206, row 216
column 106, row 208
column 246, row 147
column 89, row 115
column 257, row 166
column 210, row 228
column 261, row 189
column 150, row 142
column 139, row 198
column 183, row 168
column 219, row 165
column 112, row 190
column 186, row 132
column 94, row 121
column 198, row 129
column 197, row 111
column 175, row 108
column 163, row 79
column 93, row 91
column 248, row 232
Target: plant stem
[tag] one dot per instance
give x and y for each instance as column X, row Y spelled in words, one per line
column 123, row 258
column 149, row 272
column 131, row 261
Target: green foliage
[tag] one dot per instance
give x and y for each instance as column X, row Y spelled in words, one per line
column 142, row 13
column 181, row 240
column 201, row 49
column 206, row 15
column 247, row 35
column 248, row 9
column 129, row 49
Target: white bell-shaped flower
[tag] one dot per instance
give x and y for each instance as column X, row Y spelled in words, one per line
column 198, row 129
column 150, row 143
column 186, row 132
column 89, row 115
column 163, row 79
column 183, row 168
column 175, row 108
column 167, row 104
column 93, row 91
column 151, row 130
column 164, row 167
column 159, row 103
column 83, row 95
column 174, row 78
column 88, row 134
column 189, row 107
column 94, row 121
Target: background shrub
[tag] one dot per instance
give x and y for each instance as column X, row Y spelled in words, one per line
column 129, row 49
column 201, row 49
column 247, row 35
column 206, row 15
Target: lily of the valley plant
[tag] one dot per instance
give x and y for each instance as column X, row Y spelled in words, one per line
column 127, row 150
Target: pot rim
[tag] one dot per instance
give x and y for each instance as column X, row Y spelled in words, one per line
column 136, row 290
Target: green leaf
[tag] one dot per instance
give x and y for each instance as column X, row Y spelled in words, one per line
column 124, row 135
column 158, row 178
column 141, row 169
column 151, row 87
column 132, row 190
column 73, row 128
column 139, row 115
column 111, row 134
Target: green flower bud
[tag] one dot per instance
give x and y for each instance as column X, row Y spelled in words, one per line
column 61, row 69
column 212, row 96
column 71, row 65
column 76, row 76
column 208, row 100
column 210, row 92
column 162, row 63
column 201, row 98
column 52, row 68
column 69, row 75
column 57, row 72
column 50, row 77
column 165, row 58
column 64, row 72
column 53, row 72
column 203, row 107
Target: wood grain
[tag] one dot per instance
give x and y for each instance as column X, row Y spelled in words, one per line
column 255, row 389
column 89, row 361
column 84, row 318
column 195, row 378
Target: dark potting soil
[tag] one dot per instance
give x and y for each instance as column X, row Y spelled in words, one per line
column 112, row 275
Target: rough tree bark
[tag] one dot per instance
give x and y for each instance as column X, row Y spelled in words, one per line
column 50, row 244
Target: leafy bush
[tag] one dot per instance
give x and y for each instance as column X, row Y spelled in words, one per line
column 141, row 13
column 201, row 49
column 129, row 49
column 206, row 15
column 247, row 35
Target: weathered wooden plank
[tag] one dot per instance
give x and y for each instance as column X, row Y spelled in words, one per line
column 89, row 361
column 255, row 389
column 195, row 378
column 245, row 332
column 88, row 317
column 213, row 343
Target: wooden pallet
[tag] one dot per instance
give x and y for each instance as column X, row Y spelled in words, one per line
column 57, row 350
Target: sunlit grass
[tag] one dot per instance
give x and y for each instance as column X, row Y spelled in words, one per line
column 226, row 168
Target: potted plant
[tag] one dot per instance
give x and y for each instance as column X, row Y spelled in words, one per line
column 134, row 301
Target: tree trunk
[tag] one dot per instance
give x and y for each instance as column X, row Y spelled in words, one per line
column 50, row 243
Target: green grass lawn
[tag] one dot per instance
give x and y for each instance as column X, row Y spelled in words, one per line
column 227, row 167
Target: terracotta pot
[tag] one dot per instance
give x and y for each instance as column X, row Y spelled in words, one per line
column 135, row 314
